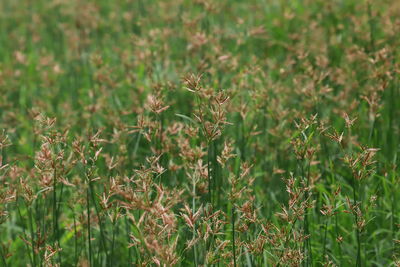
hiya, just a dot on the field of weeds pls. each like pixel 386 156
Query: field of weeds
pixel 199 133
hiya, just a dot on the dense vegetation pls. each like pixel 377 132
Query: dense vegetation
pixel 199 133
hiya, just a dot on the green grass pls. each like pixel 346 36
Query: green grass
pixel 199 133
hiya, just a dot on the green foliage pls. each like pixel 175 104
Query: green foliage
pixel 205 133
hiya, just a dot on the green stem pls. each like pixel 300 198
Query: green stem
pixel 325 236
pixel 88 223
pixel 393 208
pixel 358 262
pixel 102 238
pixel 194 226
pixel 56 239
pixel 233 235
pixel 287 241
pixel 307 243
pixel 75 239
pixel 32 234
pixel 3 257
pixel 337 235
pixel 32 258
pixel 112 243
pixel 209 172
pixel 128 241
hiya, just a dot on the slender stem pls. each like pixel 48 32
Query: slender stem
pixel 33 261
pixel 128 239
pixel 112 243
pixel 75 239
pixel 393 209
pixel 358 262
pixel 209 172
pixel 55 205
pixel 233 236
pixel 307 243
pixel 308 230
pixel 88 223
pixel 287 241
pixel 337 234
pixel 3 257
pixel 102 238
pixel 194 226
pixel 59 202
pixel 43 219
pixel 325 236
pixel 32 234
pixel 55 214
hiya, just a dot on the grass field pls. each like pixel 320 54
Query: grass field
pixel 199 133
